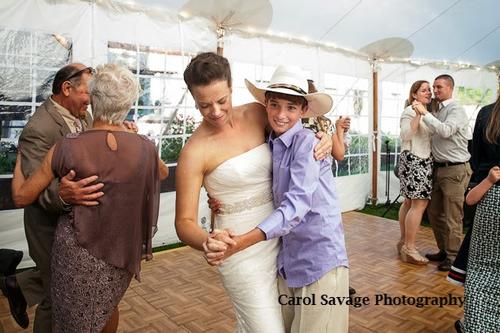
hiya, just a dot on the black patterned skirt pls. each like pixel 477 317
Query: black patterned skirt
pixel 415 176
pixel 482 285
pixel 84 290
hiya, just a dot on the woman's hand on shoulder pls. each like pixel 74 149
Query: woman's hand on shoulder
pixel 130 126
pixel 324 146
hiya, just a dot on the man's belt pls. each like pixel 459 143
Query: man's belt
pixel 447 164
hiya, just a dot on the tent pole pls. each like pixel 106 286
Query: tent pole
pixel 375 133
pixel 221 31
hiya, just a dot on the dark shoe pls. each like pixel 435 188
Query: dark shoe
pixel 459 326
pixel 17 303
pixel 445 265
pixel 440 256
pixel 352 291
pixel 9 259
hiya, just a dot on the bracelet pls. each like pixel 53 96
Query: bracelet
pixel 66 206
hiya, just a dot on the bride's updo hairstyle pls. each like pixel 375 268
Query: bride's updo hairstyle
pixel 206 68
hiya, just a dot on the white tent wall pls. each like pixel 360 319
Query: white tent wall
pixel 91 26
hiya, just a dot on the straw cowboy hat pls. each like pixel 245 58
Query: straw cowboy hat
pixel 290 80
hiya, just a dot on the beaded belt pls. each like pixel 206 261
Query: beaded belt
pixel 247 204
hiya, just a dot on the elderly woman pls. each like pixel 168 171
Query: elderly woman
pixel 98 249
pixel 415 171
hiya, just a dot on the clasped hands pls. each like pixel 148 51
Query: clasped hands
pixel 220 245
pixel 419 108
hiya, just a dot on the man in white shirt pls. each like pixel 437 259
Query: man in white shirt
pixel 452 171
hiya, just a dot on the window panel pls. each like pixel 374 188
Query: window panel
pixel 153 91
pixel 390 125
pixel 15 42
pixel 28 62
pixel 15 85
pixel 123 57
pixel 44 80
pixel 176 64
pixel 52 50
pixel 165 112
pixel 343 167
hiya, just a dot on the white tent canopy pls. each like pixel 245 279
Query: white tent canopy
pixel 156 38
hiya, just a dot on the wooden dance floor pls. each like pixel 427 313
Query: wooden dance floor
pixel 181 293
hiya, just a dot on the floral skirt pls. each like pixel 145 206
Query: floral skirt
pixel 415 176
pixel 84 289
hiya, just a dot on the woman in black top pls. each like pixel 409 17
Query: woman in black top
pixel 482 284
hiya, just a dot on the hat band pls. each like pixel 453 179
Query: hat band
pixel 288 86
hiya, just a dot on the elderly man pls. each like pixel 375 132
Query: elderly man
pixel 63 113
pixel 452 171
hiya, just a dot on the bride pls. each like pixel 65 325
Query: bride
pixel 227 154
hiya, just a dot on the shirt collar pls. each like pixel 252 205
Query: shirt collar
pixel 64 112
pixel 287 137
pixel 446 102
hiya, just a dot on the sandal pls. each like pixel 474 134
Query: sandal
pixel 399 246
pixel 412 256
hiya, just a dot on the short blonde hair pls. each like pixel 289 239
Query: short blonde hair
pixel 113 90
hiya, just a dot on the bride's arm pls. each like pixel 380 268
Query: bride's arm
pixel 188 181
pixel 25 192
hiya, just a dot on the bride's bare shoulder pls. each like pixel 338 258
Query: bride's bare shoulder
pixel 253 110
pixel 195 145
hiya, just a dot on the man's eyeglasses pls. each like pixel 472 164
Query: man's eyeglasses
pixel 88 70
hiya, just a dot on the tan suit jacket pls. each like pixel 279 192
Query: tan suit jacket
pixel 42 131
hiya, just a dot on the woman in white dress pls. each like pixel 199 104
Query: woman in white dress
pixel 227 154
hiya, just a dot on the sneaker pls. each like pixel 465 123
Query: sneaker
pixel 459 326
pixel 445 265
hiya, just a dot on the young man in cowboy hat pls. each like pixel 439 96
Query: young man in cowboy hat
pixel 312 263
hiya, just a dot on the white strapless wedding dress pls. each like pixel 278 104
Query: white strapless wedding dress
pixel 243 186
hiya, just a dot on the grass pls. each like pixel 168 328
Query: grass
pixel 168 247
pixel 392 214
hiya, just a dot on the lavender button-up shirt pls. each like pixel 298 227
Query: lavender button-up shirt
pixel 307 215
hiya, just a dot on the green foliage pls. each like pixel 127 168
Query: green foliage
pixel 378 210
pixel 359 144
pixel 168 247
pixel 170 149
pixel 474 96
pixel 393 141
pixel 8 153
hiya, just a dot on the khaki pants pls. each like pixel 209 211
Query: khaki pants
pixel 446 209
pixel 39 227
pixel 317 318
